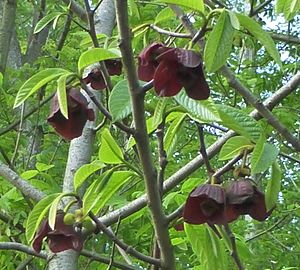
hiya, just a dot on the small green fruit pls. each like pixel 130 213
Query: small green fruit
pixel 69 219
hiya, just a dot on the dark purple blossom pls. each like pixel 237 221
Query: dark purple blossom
pixel 78 114
pixel 245 198
pixel 95 78
pixel 63 237
pixel 205 204
pixel 171 69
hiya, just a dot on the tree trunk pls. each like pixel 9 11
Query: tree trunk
pixel 6 31
pixel 81 148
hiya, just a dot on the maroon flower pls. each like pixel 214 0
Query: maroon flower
pixel 244 198
pixel 63 237
pixel 78 114
pixel 206 203
pixel 172 69
pixel 95 78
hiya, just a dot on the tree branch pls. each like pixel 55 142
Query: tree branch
pixel 194 164
pixel 22 185
pixel 260 107
pixel 142 140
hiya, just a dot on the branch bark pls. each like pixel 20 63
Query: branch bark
pixel 6 31
pixel 22 185
pixel 142 140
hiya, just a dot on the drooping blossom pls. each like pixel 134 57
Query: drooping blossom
pixel 205 204
pixel 78 114
pixel 95 78
pixel 245 198
pixel 62 238
pixel 173 69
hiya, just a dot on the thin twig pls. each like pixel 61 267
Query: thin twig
pixel 209 169
pixel 26 115
pixel 234 253
pixel 113 249
pixel 103 110
pixel 169 33
pixel 162 159
pixel 267 230
pixel 128 249
pixel 18 135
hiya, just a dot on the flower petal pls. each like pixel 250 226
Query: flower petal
pixel 147 62
pixel 114 66
pixel 165 79
pixel 41 234
pixel 239 192
pixel 188 58
pixel 193 80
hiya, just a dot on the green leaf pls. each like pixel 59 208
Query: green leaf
pixel 62 95
pixel 203 111
pixel 197 5
pixel 99 193
pixel 41 167
pixel 119 103
pixel 96 55
pixel 37 214
pixel 87 41
pixel 45 21
pixel 263 155
pixel 1 80
pixel 240 122
pixel 54 207
pixel 209 249
pixel 171 134
pixel 262 36
pixel 159 111
pixel 234 146
pixel 29 174
pixel 85 171
pixel 109 151
pixel 234 20
pixel 289 8
pixel 35 82
pixel 219 43
pixel 273 186
pixel 163 15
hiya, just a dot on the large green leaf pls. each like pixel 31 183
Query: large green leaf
pixel 170 138
pixel 207 246
pixel 37 214
pixel 263 155
pixel 99 193
pixel 62 94
pixel 202 111
pixel 159 111
pixel 234 146
pixel 109 151
pixel 164 14
pixel 273 186
pixel 289 8
pixel 262 36
pixel 85 171
pixel 45 21
pixel 96 55
pixel 197 5
pixel 35 82
pixel 240 122
pixel 119 103
pixel 219 43
pixel 54 207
